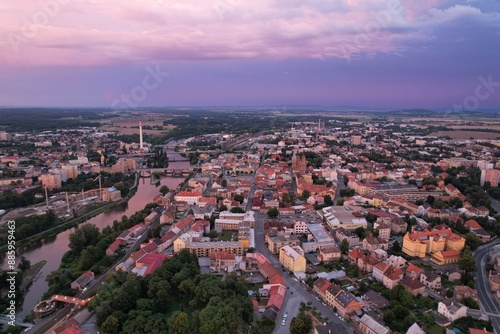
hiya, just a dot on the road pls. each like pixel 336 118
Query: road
pixel 45 324
pixel 488 303
pixel 340 186
pixel 296 292
pixel 494 204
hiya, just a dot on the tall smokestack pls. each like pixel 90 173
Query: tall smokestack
pixel 140 136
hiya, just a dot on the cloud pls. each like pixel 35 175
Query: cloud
pixel 100 32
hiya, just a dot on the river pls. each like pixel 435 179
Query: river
pixel 52 249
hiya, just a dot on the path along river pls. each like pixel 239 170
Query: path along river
pixel 52 249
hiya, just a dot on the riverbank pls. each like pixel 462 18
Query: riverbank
pixel 76 221
pixel 31 275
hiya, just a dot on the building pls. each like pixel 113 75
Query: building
pixel 222 261
pixel 205 249
pixel 384 230
pixel 464 291
pixel 328 254
pixel 292 258
pixel 83 280
pixel 342 216
pixel 342 234
pixel 347 304
pixel 191 198
pixel 413 286
pixel 415 329
pixel 429 242
pixel 445 257
pixel 375 299
pixel 111 195
pixel 277 242
pixel 300 227
pixel 368 325
pixel 452 310
pixel 356 140
pixel 431 280
pixel 490 175
pixel 391 277
pixel 51 181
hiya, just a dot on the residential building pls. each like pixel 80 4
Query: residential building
pixel 368 325
pixel 347 304
pixel 191 198
pixel 415 329
pixel 464 291
pixel 384 230
pixel 328 254
pixel 391 277
pixel 431 280
pixel 292 258
pixel 413 286
pixel 205 249
pixel 320 286
pixel 276 243
pixel 452 310
pixel 350 236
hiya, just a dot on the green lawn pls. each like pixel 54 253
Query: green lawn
pixel 226 235
pixel 435 329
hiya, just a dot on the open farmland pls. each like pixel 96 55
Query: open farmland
pixel 463 134
pixel 131 125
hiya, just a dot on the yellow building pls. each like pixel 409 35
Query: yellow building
pixel 429 242
pixel 292 258
pixel 446 257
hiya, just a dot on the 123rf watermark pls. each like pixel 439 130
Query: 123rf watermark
pixel 11 273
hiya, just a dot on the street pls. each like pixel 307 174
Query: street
pixel 291 303
pixel 488 303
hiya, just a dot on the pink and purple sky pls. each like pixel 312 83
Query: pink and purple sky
pixel 363 53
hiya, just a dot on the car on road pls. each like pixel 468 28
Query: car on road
pixel 286 315
pixel 283 322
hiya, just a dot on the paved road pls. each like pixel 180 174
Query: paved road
pixel 296 292
pixel 340 186
pixel 488 303
pixel 494 204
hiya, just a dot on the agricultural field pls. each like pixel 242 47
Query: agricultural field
pixel 130 126
pixel 464 134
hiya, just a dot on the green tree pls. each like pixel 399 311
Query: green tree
pixel 301 324
pixel 273 212
pixel 223 183
pixel 164 190
pixel 396 247
pixel 472 241
pixel 344 246
pixel 239 198
pixel 340 201
pixel 467 262
pixel 328 200
pixel 87 234
pixel 306 194
pixel 111 325
pixel 361 232
pixel 237 209
pixel 178 323
pixel 24 264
